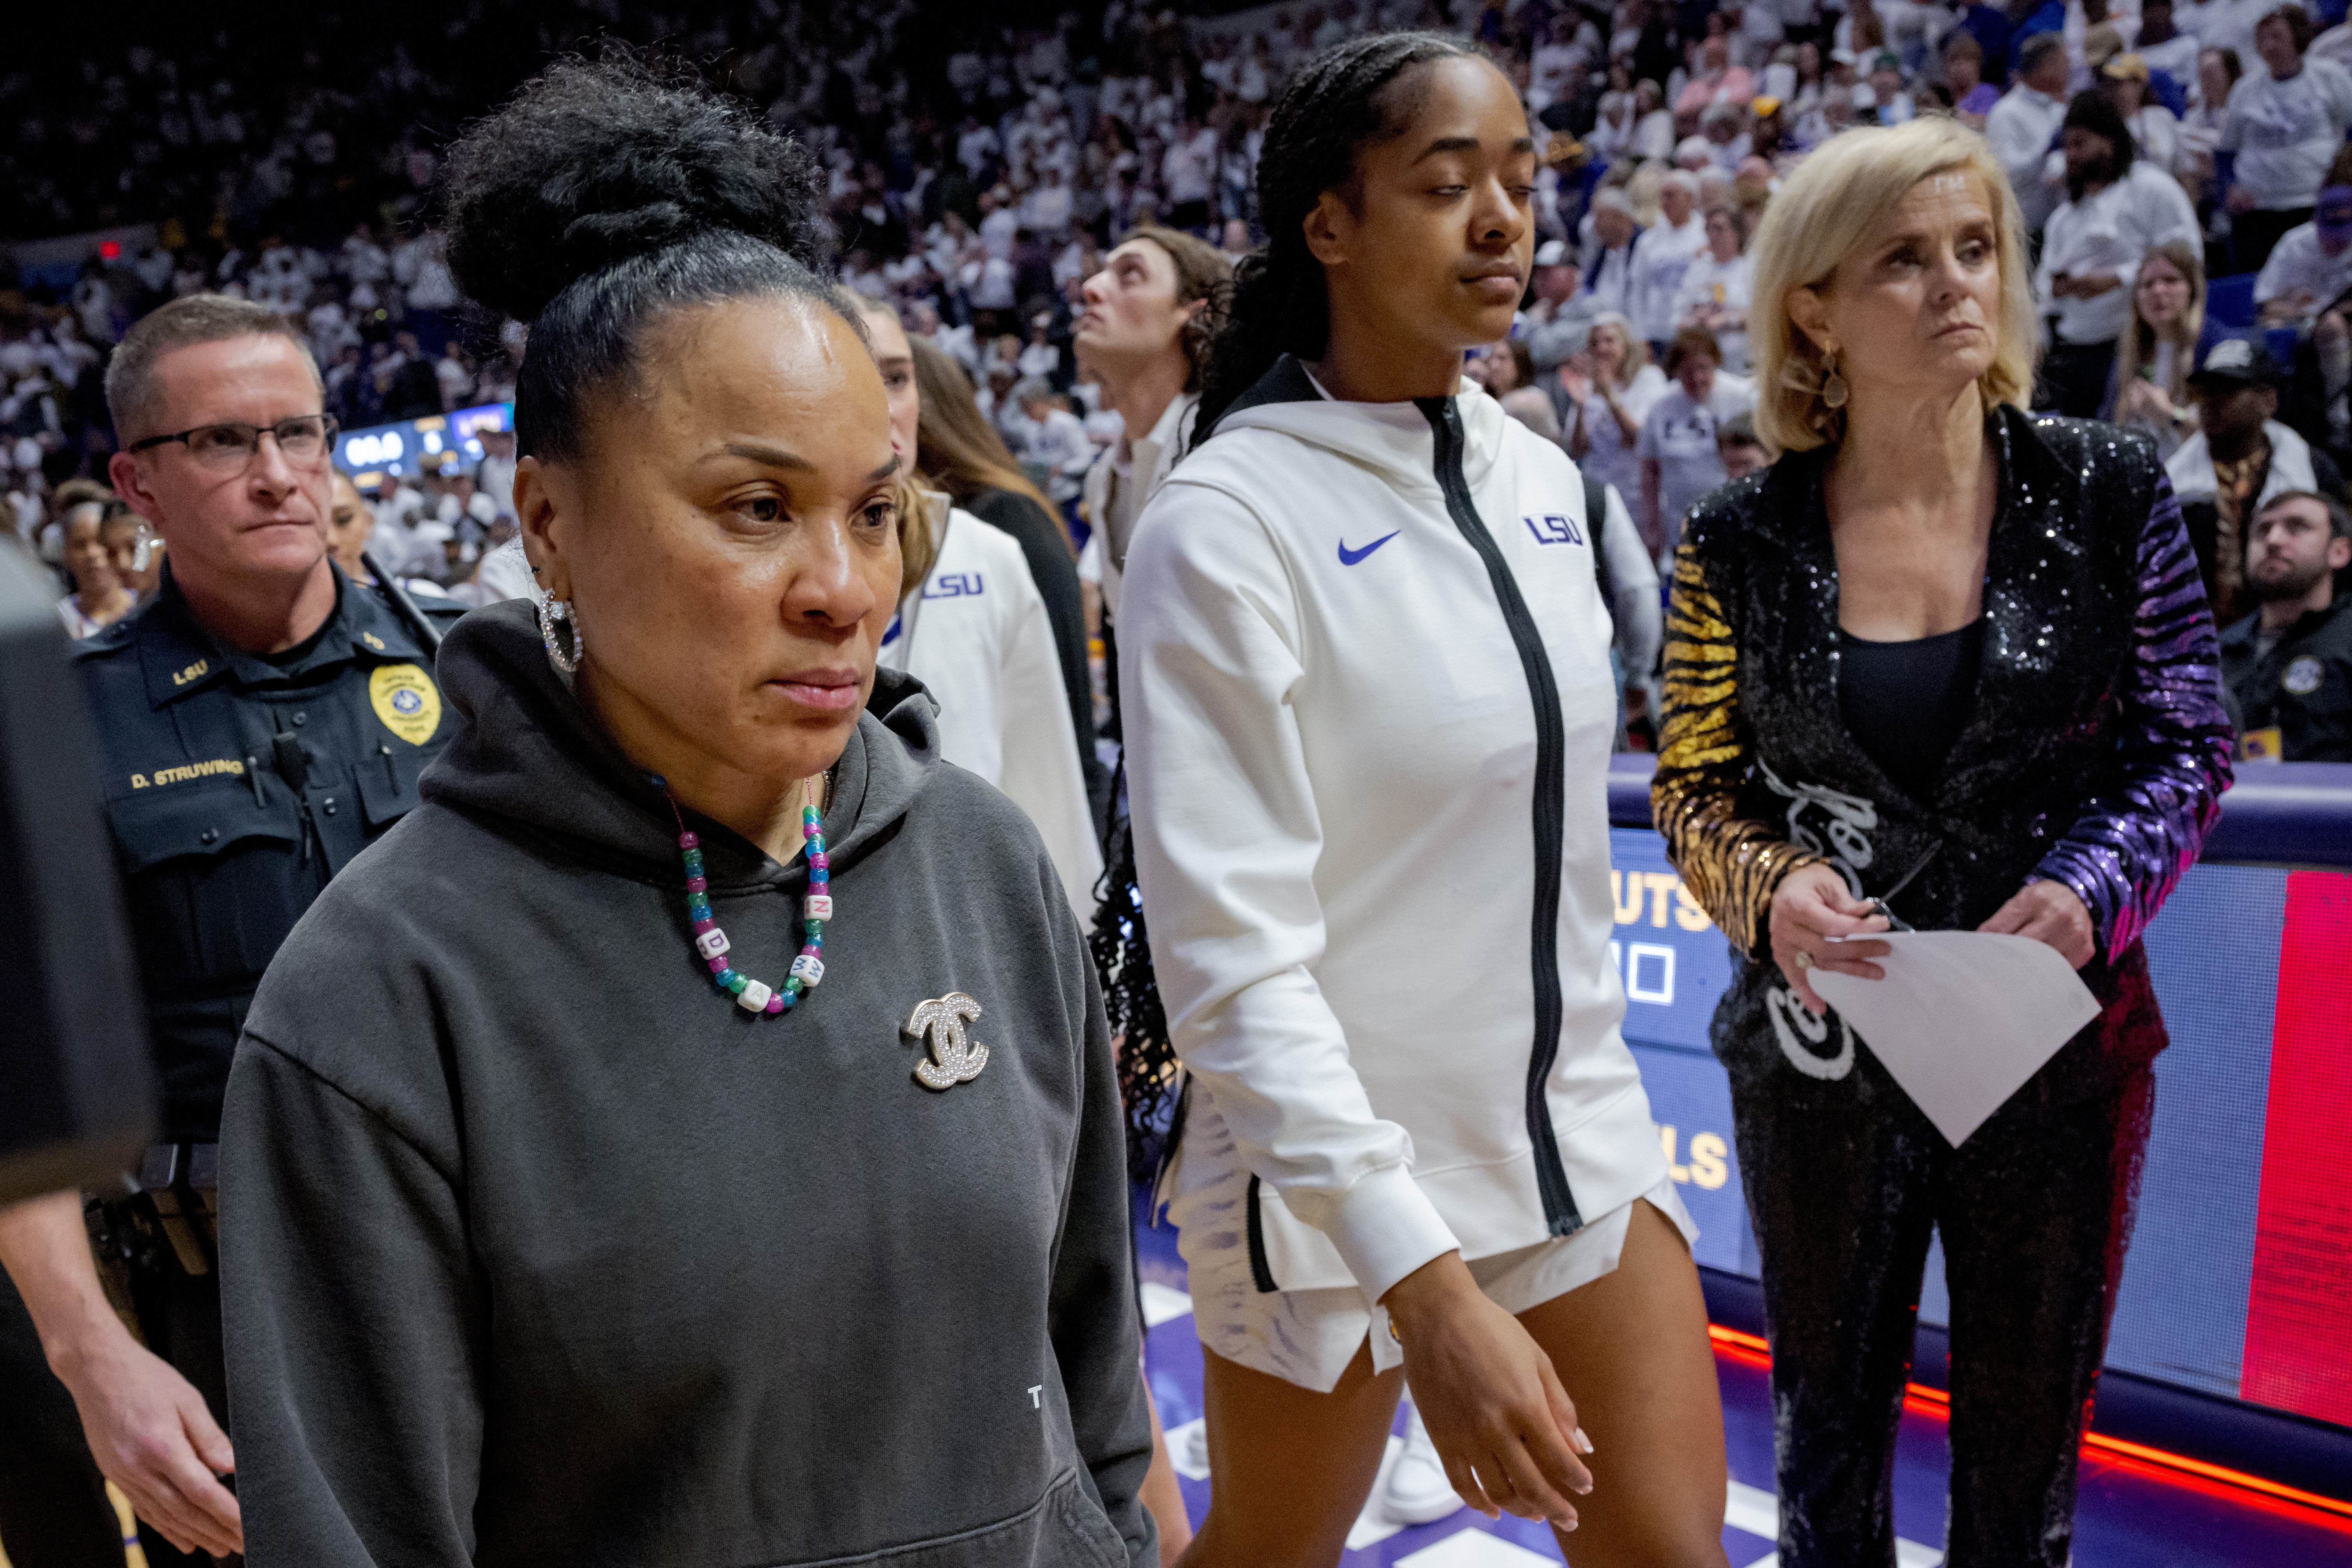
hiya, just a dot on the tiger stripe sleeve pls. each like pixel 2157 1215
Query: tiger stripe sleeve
pixel 1732 864
pixel 2127 850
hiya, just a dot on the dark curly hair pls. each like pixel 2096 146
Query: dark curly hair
pixel 607 191
pixel 1348 98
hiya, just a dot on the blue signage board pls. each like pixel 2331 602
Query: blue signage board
pixel 377 453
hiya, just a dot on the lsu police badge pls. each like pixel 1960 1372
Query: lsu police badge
pixel 2302 675
pixel 954 1057
pixel 404 697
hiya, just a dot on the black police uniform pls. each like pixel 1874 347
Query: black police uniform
pixel 2302 688
pixel 236 784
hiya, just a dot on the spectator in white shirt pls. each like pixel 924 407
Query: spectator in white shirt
pixel 1189 174
pixel 1680 460
pixel 2230 25
pixel 1609 276
pixel 1057 440
pixel 1757 28
pixel 2155 133
pixel 2091 252
pixel 364 260
pixel 2285 122
pixel 1719 287
pixel 1609 389
pixel 1664 253
pixel 2025 122
pixel 998 223
pixel 1039 359
pixel 1653 124
pixel 2310 269
pixel 1724 127
pixel 2164 47
pixel 1047 208
pixel 1558 320
pixel 2200 129
pixel 1612 137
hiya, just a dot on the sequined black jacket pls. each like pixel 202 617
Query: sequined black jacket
pixel 2095 754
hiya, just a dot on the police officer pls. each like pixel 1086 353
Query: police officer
pixel 261 721
pixel 2289 664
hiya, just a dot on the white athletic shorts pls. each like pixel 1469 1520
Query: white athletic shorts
pixel 1309 1337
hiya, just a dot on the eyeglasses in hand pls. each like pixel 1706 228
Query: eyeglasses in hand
pixel 305 439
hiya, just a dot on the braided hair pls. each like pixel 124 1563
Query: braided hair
pixel 1340 103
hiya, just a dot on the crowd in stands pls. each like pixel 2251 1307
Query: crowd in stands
pixel 2182 172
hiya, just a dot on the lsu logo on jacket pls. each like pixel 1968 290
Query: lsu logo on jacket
pixel 1552 528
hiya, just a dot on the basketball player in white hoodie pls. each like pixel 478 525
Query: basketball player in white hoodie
pixel 1367 704
pixel 974 632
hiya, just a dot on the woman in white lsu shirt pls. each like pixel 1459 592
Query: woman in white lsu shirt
pixel 1369 707
pixel 973 631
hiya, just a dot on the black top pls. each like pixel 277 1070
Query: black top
pixel 234 785
pixel 1907 702
pixel 2302 683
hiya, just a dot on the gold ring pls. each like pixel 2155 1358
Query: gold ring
pixel 1804 959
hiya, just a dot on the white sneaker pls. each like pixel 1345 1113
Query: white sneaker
pixel 1187 1448
pixel 1418 1491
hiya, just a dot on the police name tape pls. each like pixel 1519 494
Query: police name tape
pixel 182 774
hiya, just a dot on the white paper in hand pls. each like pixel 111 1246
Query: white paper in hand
pixel 1963 1017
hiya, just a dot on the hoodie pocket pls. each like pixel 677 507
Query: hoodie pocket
pixel 1064 1529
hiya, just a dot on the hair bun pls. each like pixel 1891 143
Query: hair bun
pixel 597 160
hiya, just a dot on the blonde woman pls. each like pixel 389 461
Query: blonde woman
pixel 1612 387
pixel 2159 348
pixel 1954 660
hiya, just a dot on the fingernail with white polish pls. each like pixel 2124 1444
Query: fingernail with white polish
pixel 1584 1443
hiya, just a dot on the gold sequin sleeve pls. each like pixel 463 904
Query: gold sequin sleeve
pixel 1731 864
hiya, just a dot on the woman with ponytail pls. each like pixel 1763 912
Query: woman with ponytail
pixel 1365 674
pixel 568 1224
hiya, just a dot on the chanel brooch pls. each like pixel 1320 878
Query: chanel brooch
pixel 954 1057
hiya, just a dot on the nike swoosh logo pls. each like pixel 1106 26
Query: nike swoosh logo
pixel 1349 557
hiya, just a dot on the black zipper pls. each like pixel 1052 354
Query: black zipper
pixel 1261 1270
pixel 1560 1216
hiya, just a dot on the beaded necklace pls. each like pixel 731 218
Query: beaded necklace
pixel 711 942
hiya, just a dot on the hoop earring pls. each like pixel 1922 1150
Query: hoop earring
pixel 551 611
pixel 1833 388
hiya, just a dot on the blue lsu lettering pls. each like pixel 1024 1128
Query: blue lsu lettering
pixel 953 585
pixel 1552 528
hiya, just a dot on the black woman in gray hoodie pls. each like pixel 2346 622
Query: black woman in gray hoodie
pixel 691 1136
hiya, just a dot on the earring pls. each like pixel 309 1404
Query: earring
pixel 551 611
pixel 1833 390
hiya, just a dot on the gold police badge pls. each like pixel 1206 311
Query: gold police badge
pixel 404 697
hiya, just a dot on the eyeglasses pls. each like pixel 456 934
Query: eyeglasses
pixel 306 439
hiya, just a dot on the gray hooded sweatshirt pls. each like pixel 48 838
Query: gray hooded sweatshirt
pixel 536 1248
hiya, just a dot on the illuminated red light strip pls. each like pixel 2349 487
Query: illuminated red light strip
pixel 1927 1401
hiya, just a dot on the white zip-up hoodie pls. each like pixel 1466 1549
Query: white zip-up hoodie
pixel 975 634
pixel 1365 671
